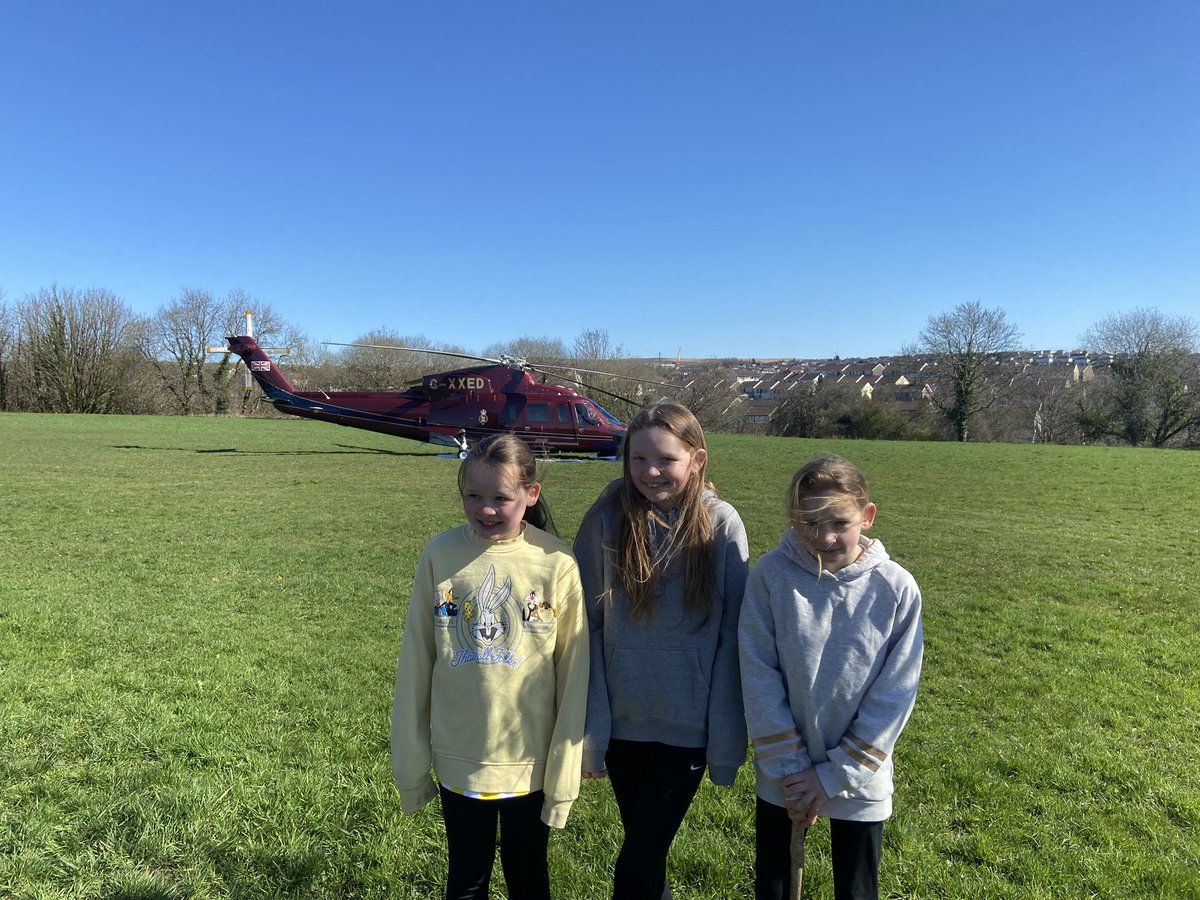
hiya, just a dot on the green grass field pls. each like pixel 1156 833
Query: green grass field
pixel 199 622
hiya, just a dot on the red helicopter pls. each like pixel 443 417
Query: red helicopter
pixel 453 409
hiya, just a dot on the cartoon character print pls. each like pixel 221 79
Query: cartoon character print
pixel 535 606
pixel 490 628
pixel 488 624
pixel 445 607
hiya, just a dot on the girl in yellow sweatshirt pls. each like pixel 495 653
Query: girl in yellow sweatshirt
pixel 491 687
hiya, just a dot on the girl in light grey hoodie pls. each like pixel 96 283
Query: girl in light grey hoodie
pixel 831 645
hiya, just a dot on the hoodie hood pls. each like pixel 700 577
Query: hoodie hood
pixel 873 556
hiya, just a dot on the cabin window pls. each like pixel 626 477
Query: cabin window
pixel 564 413
pixel 537 412
pixel 512 411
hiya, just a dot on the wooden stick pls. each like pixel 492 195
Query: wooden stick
pixel 797 861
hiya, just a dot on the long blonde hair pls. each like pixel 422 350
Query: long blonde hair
pixel 638 567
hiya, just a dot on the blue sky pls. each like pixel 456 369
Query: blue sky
pixel 698 178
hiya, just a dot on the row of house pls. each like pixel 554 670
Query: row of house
pixel 901 382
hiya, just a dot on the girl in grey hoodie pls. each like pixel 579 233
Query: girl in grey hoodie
pixel 831 646
pixel 663 563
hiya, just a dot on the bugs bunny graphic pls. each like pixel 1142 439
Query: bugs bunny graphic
pixel 489 628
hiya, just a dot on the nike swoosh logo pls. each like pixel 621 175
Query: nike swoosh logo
pixel 697 768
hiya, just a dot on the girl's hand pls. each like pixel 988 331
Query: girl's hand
pixel 804 821
pixel 603 773
pixel 805 796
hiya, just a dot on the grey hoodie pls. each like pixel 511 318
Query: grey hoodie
pixel 672 678
pixel 830 665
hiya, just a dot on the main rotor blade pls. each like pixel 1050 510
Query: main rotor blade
pixel 592 389
pixel 605 374
pixel 418 350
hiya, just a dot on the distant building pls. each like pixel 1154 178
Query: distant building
pixel 904 383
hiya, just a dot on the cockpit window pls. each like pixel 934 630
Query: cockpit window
pixel 609 418
pixel 586 415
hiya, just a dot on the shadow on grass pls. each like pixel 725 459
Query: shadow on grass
pixel 345 450
pixel 352 450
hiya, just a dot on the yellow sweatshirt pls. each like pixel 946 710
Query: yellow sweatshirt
pixel 491 688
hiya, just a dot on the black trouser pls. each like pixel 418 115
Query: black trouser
pixel 471 840
pixel 855 848
pixel 654 785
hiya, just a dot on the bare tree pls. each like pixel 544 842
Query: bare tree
pixel 1149 396
pixel 532 349
pixel 269 326
pixel 72 351
pixel 8 340
pixel 1043 408
pixel 709 391
pixel 595 345
pixel 969 375
pixel 378 360
pixel 311 365
pixel 177 339
pixel 603 371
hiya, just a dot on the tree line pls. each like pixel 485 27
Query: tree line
pixel 64 350
pixel 1141 386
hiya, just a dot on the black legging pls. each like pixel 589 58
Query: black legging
pixel 471 841
pixel 654 785
pixel 854 847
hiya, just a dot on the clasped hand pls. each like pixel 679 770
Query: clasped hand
pixel 804 796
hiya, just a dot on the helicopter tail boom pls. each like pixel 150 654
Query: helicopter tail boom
pixel 265 372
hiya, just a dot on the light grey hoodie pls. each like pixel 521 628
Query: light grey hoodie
pixel 830 664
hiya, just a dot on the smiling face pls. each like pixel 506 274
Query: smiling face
pixel 829 525
pixel 495 501
pixel 660 465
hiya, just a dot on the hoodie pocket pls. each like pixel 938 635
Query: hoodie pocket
pixel 665 685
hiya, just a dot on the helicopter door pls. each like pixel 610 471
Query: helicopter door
pixel 537 417
pixel 525 417
pixel 545 424
pixel 565 429
pixel 566 422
